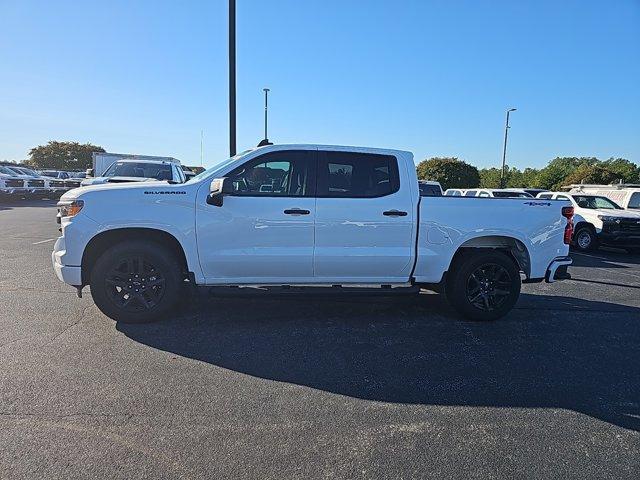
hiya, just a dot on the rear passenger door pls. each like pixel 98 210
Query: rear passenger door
pixel 364 219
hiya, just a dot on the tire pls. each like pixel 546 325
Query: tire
pixel 483 285
pixel 585 239
pixel 136 282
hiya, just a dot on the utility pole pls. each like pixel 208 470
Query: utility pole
pixel 266 110
pixel 504 149
pixel 232 77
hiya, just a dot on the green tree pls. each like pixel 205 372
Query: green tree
pixel 449 171
pixel 490 177
pixel 554 174
pixel 63 155
pixel 599 173
pixel 624 170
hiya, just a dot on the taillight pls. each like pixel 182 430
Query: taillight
pixel 567 212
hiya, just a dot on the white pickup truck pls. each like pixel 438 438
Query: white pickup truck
pixel 307 216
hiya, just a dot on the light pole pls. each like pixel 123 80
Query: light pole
pixel 504 149
pixel 232 78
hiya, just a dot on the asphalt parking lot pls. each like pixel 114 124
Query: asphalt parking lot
pixel 316 388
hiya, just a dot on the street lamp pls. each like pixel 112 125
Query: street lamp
pixel 232 77
pixel 504 150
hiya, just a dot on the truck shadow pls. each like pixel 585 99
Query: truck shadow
pixel 550 352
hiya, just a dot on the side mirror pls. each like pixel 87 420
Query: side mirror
pixel 219 187
pixel 89 172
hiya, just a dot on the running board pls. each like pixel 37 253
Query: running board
pixel 329 290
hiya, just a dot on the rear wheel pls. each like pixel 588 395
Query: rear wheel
pixel 483 285
pixel 136 282
pixel 585 239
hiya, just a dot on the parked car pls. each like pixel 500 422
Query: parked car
pixel 600 221
pixel 429 188
pixel 454 192
pixel 11 185
pixel 625 195
pixel 139 171
pixel 340 218
pixel 35 185
pixel 496 193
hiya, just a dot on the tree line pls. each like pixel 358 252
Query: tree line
pixel 454 173
pixel 451 172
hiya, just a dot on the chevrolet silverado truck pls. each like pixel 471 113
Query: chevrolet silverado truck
pixel 299 217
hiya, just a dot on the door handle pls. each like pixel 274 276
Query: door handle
pixel 394 213
pixel 296 211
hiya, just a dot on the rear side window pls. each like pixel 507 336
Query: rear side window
pixel 545 195
pixel 634 201
pixel 356 175
pixel 470 193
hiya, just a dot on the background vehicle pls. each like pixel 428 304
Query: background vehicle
pixel 53 187
pixel 496 193
pixel 430 188
pixel 10 184
pixel 35 185
pixel 625 195
pixel 58 174
pixel 531 191
pixel 454 192
pixel 102 161
pixel 139 171
pixel 340 218
pixel 600 221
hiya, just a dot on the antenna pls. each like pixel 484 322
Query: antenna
pixel 201 143
pixel 265 140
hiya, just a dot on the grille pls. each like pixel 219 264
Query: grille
pixel 631 226
pixel 72 183
pixel 14 183
pixel 56 183
pixel 36 183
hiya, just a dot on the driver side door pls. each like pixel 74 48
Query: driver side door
pixel 264 230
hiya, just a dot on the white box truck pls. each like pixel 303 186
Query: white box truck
pixel 103 160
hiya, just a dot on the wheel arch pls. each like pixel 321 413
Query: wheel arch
pixel 511 246
pixel 107 238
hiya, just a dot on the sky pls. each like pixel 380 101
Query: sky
pixel 432 77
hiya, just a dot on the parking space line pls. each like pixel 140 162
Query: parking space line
pixel 43 241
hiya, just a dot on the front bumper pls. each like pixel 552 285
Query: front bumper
pixel 557 270
pixel 619 239
pixel 66 273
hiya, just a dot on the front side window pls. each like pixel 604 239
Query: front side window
pixel 275 174
pixel 593 202
pixel 470 193
pixel 545 195
pixel 357 175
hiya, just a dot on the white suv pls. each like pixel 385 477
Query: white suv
pixel 600 221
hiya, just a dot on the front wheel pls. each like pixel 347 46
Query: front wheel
pixel 483 285
pixel 585 239
pixel 136 282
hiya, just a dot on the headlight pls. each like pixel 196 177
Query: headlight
pixel 70 208
pixel 607 218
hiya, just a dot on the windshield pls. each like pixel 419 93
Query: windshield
pixel 593 202
pixel 160 171
pixel 511 195
pixel 28 171
pixel 7 171
pixel 218 166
